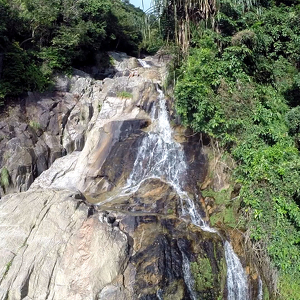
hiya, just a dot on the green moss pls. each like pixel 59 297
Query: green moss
pixel 35 125
pixel 170 211
pixel 289 287
pixel 8 265
pixel 209 284
pixel 227 211
pixel 221 197
pixel 124 94
pixel 4 180
pixel 203 275
pixel 266 295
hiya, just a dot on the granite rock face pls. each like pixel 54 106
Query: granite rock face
pixel 53 248
pixel 43 127
pixel 70 232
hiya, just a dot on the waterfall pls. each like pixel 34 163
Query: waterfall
pixel 143 63
pixel 159 156
pixel 236 278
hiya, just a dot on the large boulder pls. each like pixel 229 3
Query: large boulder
pixel 54 247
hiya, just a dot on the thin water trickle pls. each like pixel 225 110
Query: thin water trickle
pixel 260 289
pixel 187 274
pixel 159 156
pixel 159 294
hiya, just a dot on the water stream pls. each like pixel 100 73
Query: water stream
pixel 159 156
pixel 260 289
pixel 236 277
pixel 188 277
pixel 143 63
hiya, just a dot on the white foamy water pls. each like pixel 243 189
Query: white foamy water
pixel 159 156
pixel 143 63
pixel 237 282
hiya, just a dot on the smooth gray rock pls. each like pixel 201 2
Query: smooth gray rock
pixel 50 249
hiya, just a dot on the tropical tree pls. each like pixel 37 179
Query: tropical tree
pixel 180 18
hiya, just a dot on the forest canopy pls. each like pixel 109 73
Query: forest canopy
pixel 40 37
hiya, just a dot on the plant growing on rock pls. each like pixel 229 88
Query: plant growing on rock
pixel 4 181
pixel 35 125
pixel 124 95
pixel 207 283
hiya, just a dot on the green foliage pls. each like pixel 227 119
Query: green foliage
pixel 208 281
pixel 4 180
pixel 241 86
pixel 209 94
pixel 20 72
pixel 152 40
pixel 203 275
pixel 41 37
pixel 289 287
pixel 35 125
pixel 293 120
pixel 124 94
pixel 227 212
pixel 8 265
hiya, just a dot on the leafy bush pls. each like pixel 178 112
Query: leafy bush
pixel 241 87
pixel 41 37
pixel 203 274
pixel 293 120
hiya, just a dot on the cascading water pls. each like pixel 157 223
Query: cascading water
pixel 143 63
pixel 159 156
pixel 236 277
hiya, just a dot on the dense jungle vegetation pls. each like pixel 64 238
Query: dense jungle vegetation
pixel 41 37
pixel 237 80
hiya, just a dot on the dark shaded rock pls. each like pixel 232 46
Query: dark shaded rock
pixel 158 256
pixel 120 158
